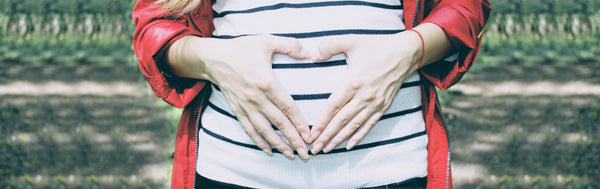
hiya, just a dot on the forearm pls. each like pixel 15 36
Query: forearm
pixel 184 60
pixel 437 45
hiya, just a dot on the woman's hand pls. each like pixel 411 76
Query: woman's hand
pixel 377 66
pixel 241 67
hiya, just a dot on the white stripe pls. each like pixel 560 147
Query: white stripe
pixel 311 81
pixel 307 20
pixel 255 169
pixel 237 5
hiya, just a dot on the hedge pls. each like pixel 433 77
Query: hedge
pixel 66 31
pixel 100 31
pixel 539 31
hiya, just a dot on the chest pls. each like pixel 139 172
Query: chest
pixel 277 16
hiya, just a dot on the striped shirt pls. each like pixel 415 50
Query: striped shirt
pixel 393 151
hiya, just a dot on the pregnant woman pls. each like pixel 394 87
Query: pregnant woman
pixel 346 86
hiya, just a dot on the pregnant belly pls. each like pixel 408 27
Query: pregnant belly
pixel 310 83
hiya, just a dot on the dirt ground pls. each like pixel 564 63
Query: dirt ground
pixel 78 126
pixel 526 127
pixel 81 127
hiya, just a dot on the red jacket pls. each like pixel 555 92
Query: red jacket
pixel 462 21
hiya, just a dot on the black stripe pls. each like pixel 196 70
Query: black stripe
pixel 386 116
pixel 337 150
pixel 321 33
pixel 317 96
pixel 225 113
pixel 216 87
pixel 325 96
pixel 311 96
pixel 223 138
pixel 401 113
pixel 411 84
pixel 221 111
pixel 309 65
pixel 307 5
pixel 380 143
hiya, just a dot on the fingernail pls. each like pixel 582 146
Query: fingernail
pixel 316 148
pixel 288 154
pixel 315 135
pixel 329 148
pixel 268 152
pixel 350 145
pixel 306 54
pixel 303 153
pixel 306 137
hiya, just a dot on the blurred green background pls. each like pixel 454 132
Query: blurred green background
pixel 76 113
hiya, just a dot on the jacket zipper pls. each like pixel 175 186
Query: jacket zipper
pixel 417 8
pixel 439 110
pixel 437 105
pixel 203 97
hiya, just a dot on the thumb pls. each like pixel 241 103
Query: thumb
pixel 330 47
pixel 289 46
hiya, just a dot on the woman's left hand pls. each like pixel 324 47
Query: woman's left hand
pixel 377 67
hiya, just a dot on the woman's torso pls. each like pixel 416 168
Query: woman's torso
pixel 393 151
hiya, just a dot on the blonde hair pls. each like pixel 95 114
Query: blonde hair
pixel 179 6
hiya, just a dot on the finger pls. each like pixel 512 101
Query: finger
pixel 288 130
pixel 348 129
pixel 336 101
pixel 347 113
pixel 362 131
pixel 253 134
pixel 242 117
pixel 263 128
pixel 289 46
pixel 284 102
pixel 328 48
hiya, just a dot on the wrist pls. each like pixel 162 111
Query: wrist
pixel 422 49
pixel 410 46
pixel 436 43
pixel 185 57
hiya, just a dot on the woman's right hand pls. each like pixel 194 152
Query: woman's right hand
pixel 241 67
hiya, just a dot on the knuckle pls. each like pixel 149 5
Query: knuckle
pixel 336 107
pixel 252 99
pixel 246 94
pixel 261 130
pixel 378 101
pixel 344 119
pixel 370 94
pixel 279 123
pixel 248 131
pixel 264 85
pixel 355 125
pixel 356 84
pixel 287 109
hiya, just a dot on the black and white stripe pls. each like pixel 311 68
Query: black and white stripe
pixel 399 131
pixel 306 5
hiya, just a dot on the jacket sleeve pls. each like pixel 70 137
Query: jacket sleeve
pixel 155 31
pixel 462 21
